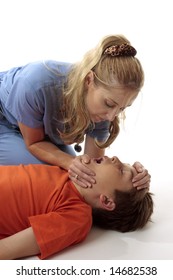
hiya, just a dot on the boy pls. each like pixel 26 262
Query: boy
pixel 43 212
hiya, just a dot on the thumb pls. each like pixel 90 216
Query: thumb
pixel 86 159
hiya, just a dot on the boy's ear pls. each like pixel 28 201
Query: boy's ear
pixel 107 203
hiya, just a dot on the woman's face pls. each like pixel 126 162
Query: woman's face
pixel 103 104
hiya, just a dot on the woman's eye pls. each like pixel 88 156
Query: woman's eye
pixel 110 105
pixel 122 109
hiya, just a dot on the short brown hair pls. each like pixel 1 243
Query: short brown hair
pixel 133 210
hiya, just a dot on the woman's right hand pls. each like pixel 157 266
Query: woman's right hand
pixel 80 173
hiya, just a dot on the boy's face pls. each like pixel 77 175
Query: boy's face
pixel 112 174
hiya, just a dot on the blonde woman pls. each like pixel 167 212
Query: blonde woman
pixel 47 106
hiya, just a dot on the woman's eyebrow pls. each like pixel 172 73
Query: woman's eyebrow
pixel 110 99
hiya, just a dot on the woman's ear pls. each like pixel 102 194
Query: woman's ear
pixel 89 78
pixel 107 203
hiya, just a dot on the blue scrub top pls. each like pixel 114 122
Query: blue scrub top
pixel 32 94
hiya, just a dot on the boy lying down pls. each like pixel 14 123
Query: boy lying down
pixel 43 212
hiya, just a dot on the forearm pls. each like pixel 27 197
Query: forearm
pixel 51 154
pixel 45 151
pixel 21 244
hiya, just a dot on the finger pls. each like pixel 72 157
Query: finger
pixel 87 179
pixel 146 185
pixel 138 166
pixel 141 175
pixel 143 187
pixel 90 179
pixel 80 169
pixel 142 182
pixel 81 173
pixel 82 183
pixel 85 159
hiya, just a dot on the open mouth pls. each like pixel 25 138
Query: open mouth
pixel 98 160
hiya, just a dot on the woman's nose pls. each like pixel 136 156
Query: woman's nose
pixel 110 116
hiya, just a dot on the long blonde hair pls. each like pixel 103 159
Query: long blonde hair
pixel 127 71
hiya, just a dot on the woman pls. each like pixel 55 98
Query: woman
pixel 47 106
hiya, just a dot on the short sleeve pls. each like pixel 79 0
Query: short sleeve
pixel 56 231
pixel 25 103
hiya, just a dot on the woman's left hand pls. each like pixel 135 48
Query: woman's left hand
pixel 143 178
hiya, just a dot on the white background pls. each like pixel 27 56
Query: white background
pixel 63 30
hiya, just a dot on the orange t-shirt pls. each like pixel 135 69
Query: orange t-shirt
pixel 43 197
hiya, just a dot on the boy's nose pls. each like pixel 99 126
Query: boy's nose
pixel 116 159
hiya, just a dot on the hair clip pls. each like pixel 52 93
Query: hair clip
pixel 121 50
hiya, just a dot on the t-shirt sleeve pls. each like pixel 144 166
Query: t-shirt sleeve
pixel 56 231
pixel 26 104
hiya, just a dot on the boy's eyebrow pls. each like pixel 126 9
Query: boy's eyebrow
pixel 132 175
pixel 131 171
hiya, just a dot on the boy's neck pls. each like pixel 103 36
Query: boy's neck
pixel 86 193
pixel 81 190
